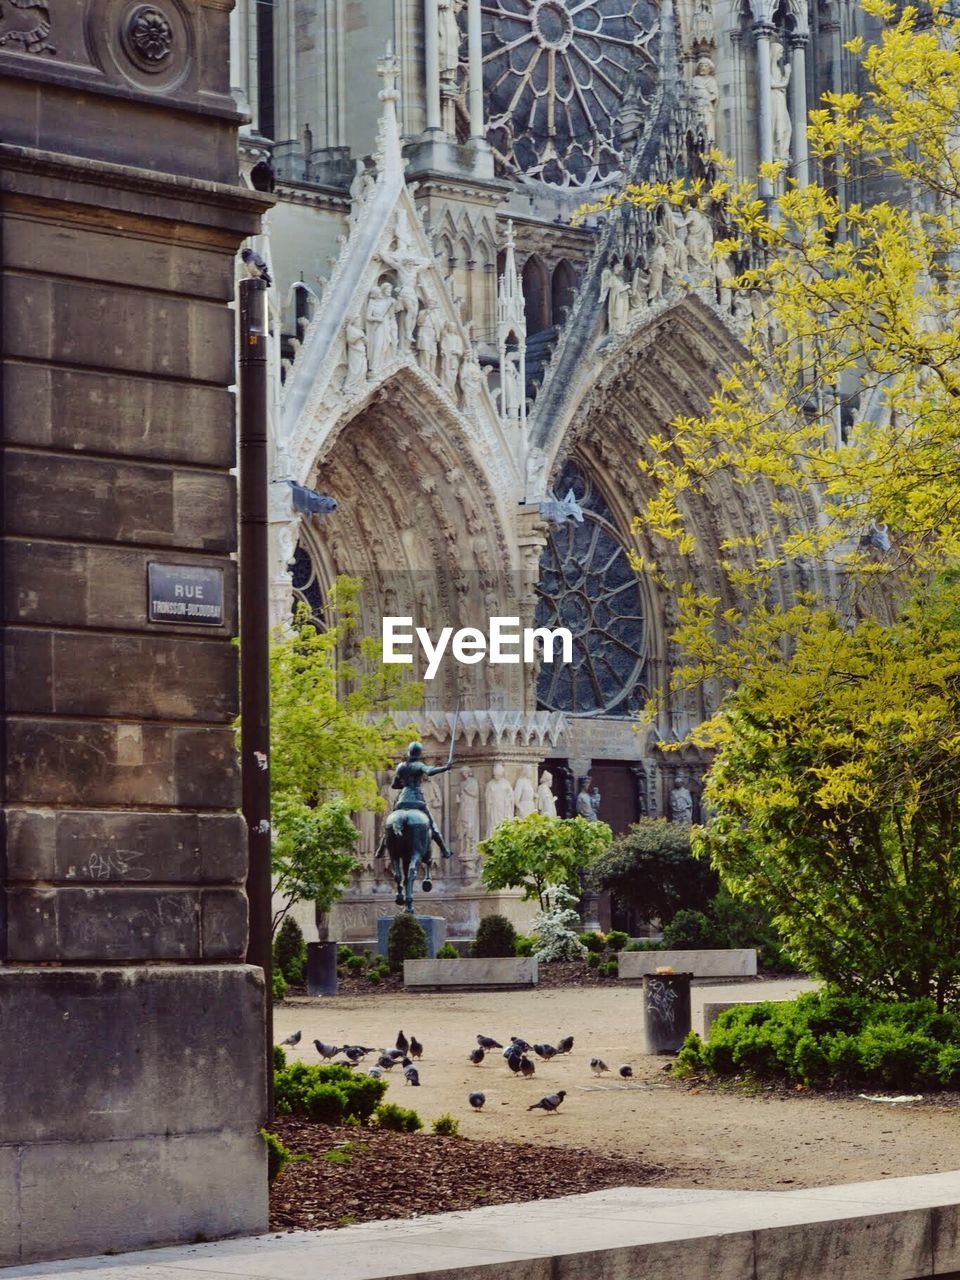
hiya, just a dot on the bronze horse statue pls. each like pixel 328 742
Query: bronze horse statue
pixel 409 828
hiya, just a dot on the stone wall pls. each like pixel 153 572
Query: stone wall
pixel 132 1059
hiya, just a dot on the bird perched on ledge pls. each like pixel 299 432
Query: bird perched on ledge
pixel 256 266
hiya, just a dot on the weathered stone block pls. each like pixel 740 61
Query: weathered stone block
pixel 223 924
pixel 733 963
pixel 79 924
pixel 157 676
pixel 499 973
pixel 78 409
pixel 57 584
pixel 120 502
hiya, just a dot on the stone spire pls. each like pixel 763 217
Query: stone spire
pixel 512 339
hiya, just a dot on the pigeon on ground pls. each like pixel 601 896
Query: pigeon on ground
pixel 411 1075
pixel 395 1054
pixel 256 266
pixel 513 1062
pixel 626 1072
pixel 487 1042
pixel 549 1103
pixel 294 1039
pixel 477 1100
pixel 545 1051
pixel 354 1052
pixel 598 1066
pixel 521 1044
pixel 386 1063
pixel 416 1048
pixel 565 1045
pixel 403 1044
pixel 527 1067
pixel 476 1056
pixel 326 1050
pixel 375 1072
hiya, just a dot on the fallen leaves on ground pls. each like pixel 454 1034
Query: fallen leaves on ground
pixel 379 1174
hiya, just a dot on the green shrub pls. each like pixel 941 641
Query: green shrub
pixel 616 940
pixel 594 942
pixel 294 1085
pixel 375 977
pixel 326 1103
pixel 612 969
pixel 278 1156
pixel 343 954
pixel 446 1125
pixel 448 952
pixel 496 936
pixel 279 985
pixel 690 931
pixel 400 1119
pixel 356 963
pixel 290 951
pixel 825 1039
pixel 405 941
pixel 593 960
pixel 279 1058
pixel 524 946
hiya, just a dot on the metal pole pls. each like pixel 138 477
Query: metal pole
pixel 255 640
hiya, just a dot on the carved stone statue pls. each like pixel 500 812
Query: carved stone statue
pixel 468 815
pixel 615 291
pixel 779 114
pixel 681 802
pixel 471 380
pixel 511 386
pixel 524 799
pixel 699 238
pixel 498 799
pixel 356 345
pixel 451 353
pixel 706 95
pixel 449 34
pixel 546 800
pixel 365 822
pixel 361 186
pixel 585 805
pixel 536 472
pixel 428 336
pixel 381 326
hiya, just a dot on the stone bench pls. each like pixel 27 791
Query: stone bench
pixel 501 974
pixel 634 965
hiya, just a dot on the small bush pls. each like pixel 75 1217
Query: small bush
pixel 279 985
pixel 343 954
pixel 326 1103
pixel 689 931
pixel 399 1119
pixel 278 1156
pixel 616 940
pixel 374 976
pixel 279 1058
pixel 294 1085
pixel 594 942
pixel 593 960
pixel 405 941
pixel 612 969
pixel 448 952
pixel 290 951
pixel 524 946
pixel 446 1125
pixel 496 936
pixel 356 963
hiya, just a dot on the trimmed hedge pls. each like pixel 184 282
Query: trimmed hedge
pixel 496 937
pixel 331 1094
pixel 825 1039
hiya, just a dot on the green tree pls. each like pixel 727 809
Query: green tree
pixel 331 729
pixel 533 852
pixel 651 870
pixel 836 795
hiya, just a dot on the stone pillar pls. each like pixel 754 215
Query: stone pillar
pixel 798 107
pixel 431 42
pixel 133 1069
pixel 763 33
pixel 475 68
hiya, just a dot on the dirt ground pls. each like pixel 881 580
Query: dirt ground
pixel 707 1138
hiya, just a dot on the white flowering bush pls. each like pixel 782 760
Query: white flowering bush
pixel 557 929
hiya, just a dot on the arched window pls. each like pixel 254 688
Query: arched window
pixel 536 295
pixel 563 290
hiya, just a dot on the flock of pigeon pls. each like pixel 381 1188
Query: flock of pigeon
pixel 406 1050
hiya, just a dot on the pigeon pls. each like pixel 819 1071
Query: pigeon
pixel 395 1054
pixel 403 1044
pixel 521 1044
pixel 411 1075
pixel 294 1039
pixel 256 266
pixel 354 1052
pixel 545 1051
pixel 598 1066
pixel 486 1042
pixel 626 1072
pixel 416 1048
pixel 550 1102
pixel 386 1063
pixel 374 1072
pixel 527 1067
pixel 476 1056
pixel 326 1050
pixel 565 1045
pixel 513 1062
pixel 477 1100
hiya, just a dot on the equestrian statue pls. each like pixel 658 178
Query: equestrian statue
pixel 409 828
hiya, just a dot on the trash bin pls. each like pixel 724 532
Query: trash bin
pixel 322 968
pixel 666 1011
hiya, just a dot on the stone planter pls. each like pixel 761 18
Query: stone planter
pixel 500 974
pixel 701 964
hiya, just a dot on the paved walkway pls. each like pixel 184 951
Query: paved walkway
pixel 897 1229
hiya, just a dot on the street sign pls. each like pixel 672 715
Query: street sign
pixel 185 593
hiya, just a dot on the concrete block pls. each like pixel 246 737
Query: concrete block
pixel 732 963
pixel 435 927
pixel 895 1246
pixel 501 972
pixel 224 924
pixel 9 1206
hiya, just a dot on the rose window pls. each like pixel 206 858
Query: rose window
pixel 566 83
pixel 587 585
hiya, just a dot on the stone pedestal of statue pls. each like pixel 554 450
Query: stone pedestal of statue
pixel 435 927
